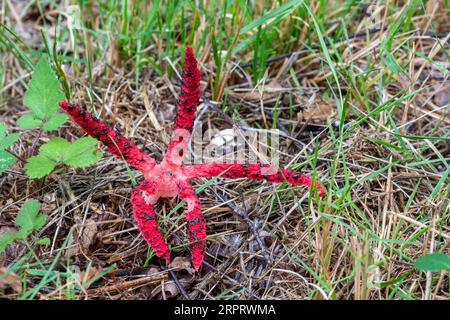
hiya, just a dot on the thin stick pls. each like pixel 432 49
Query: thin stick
pixel 132 284
pixel 237 283
pixel 179 285
pixel 33 146
pixel 242 213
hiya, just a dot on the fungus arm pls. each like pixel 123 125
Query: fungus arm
pixel 196 225
pixel 145 215
pixel 190 92
pixel 187 105
pixel 116 143
pixel 254 171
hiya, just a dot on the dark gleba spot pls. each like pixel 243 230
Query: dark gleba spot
pixel 193 221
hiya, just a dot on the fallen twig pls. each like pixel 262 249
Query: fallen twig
pixel 242 213
pixel 179 285
pixel 124 285
pixel 235 282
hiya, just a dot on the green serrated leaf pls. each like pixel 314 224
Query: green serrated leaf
pixel 84 160
pixel 7 141
pixel 43 242
pixel 433 262
pixel 28 121
pixel 29 218
pixel 2 130
pixel 55 149
pixel 6 238
pixel 44 91
pixel 82 153
pixel 39 166
pixel 6 160
pixel 55 122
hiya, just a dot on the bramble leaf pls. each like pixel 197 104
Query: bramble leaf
pixel 54 122
pixel 433 262
pixel 3 130
pixel 28 121
pixel 6 140
pixel 44 91
pixel 6 160
pixel 82 153
pixel 39 166
pixel 29 218
pixel 43 242
pixel 55 149
pixel 6 238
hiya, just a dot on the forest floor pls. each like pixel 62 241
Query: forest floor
pixel 359 93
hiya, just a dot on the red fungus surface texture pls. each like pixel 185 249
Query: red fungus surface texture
pixel 171 177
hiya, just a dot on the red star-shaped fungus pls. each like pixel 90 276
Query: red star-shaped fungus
pixel 171 177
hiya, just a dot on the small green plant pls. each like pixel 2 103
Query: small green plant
pixel 6 159
pixel 42 97
pixel 81 153
pixel 433 262
pixel 28 220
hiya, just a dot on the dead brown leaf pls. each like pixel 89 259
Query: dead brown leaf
pixel 182 264
pixel 317 111
pixel 167 290
pixel 89 234
pixel 442 97
pixel 10 281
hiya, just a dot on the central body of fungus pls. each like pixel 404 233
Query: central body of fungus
pixel 171 177
pixel 165 174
